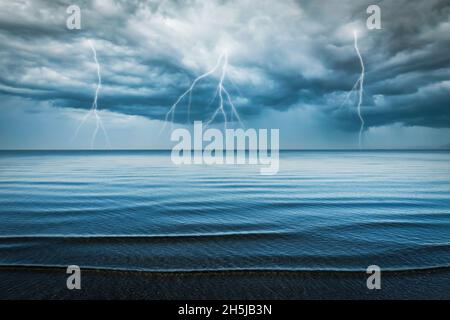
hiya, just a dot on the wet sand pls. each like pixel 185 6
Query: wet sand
pixel 35 283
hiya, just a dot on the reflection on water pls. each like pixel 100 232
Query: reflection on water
pixel 137 211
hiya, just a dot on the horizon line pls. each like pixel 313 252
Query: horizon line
pixel 306 149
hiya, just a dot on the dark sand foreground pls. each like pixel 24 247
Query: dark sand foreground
pixel 35 283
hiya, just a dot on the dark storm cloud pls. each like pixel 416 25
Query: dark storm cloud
pixel 283 54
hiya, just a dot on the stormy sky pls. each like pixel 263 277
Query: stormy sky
pixel 291 65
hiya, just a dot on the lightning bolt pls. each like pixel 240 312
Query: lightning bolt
pixel 221 92
pixel 93 110
pixel 361 87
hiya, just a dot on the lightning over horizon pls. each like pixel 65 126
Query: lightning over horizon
pixel 93 110
pixel 221 92
pixel 361 87
pixel 358 75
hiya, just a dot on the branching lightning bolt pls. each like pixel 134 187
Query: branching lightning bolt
pixel 361 87
pixel 221 92
pixel 93 110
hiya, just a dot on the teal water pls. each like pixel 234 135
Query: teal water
pixel 135 210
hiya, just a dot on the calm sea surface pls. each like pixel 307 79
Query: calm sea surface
pixel 331 211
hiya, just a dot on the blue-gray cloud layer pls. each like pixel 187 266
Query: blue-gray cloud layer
pixel 282 54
